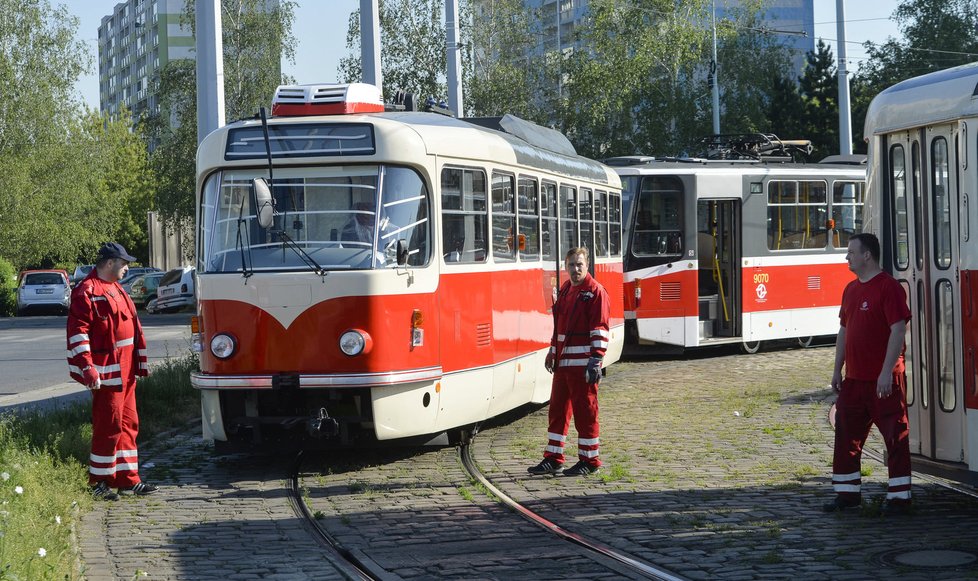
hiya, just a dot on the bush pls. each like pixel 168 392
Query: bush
pixel 8 288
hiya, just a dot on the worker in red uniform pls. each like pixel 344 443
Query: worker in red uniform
pixel 577 348
pixel 106 352
pixel 870 344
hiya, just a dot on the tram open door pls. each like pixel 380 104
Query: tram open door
pixel 718 249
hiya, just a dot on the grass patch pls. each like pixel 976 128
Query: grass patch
pixel 44 471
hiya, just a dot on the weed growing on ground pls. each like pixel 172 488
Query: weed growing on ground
pixel 44 471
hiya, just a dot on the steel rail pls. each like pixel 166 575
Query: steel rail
pixel 348 564
pixel 645 569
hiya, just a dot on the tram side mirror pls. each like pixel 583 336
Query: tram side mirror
pixel 264 205
pixel 402 253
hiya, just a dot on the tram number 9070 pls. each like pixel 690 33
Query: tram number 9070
pixel 760 277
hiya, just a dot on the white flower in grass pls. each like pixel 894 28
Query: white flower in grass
pixel 57 519
pixel 42 552
pixel 4 514
pixel 19 490
pixel 5 475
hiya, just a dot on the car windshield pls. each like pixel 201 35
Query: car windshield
pixel 348 217
pixel 39 278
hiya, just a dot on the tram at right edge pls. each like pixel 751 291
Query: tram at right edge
pixel 922 179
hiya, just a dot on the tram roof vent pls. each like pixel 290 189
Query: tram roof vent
pixel 321 99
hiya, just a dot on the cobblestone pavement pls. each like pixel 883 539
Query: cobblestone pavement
pixel 715 468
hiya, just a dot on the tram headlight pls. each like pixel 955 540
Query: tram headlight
pixel 223 346
pixel 355 342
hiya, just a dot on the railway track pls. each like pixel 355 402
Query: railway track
pixel 353 562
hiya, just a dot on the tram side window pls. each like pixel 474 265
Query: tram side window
pixel 548 209
pixel 568 218
pixel 404 216
pixel 600 223
pixel 942 202
pixel 503 218
pixel 898 188
pixel 464 215
pixel 529 219
pixel 586 198
pixel 614 222
pixel 797 213
pixel 847 211
pixel 659 218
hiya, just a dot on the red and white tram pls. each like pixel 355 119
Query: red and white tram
pixel 923 173
pixel 403 283
pixel 736 251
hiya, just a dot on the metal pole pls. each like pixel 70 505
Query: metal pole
pixel 716 77
pixel 210 67
pixel 454 57
pixel 845 118
pixel 370 43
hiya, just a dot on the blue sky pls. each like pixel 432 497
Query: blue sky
pixel 321 32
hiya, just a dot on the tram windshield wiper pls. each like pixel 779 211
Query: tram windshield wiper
pixel 287 241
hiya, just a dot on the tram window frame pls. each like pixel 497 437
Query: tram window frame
pixel 614 223
pixel 840 235
pixel 585 219
pixel 528 218
pixel 901 220
pixel 918 204
pixel 473 220
pixel 602 226
pixel 941 196
pixel 567 212
pixel 800 238
pixel 548 221
pixel 659 219
pixel 946 366
pixel 503 216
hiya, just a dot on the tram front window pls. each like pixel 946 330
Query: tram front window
pixel 342 218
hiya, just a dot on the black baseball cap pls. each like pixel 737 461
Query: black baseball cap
pixel 114 250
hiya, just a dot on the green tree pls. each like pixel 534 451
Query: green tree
pixel 412 48
pixel 639 86
pixel 819 88
pixel 43 193
pixel 257 35
pixel 509 70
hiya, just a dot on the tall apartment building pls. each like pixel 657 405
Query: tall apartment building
pixel 134 42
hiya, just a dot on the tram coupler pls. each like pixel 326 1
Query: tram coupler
pixel 322 425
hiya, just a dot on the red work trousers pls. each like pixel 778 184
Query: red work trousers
pixel 115 425
pixel 571 394
pixel 857 409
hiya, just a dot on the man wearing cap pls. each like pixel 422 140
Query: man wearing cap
pixel 106 352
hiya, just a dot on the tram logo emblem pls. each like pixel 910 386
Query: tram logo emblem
pixel 761 291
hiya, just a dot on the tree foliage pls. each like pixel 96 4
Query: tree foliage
pixel 640 85
pixel 412 48
pixel 936 35
pixel 257 35
pixel 71 179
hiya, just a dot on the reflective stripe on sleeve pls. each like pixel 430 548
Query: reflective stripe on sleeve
pixel 77 338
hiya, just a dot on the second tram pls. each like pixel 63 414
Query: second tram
pixel 736 251
pixel 379 274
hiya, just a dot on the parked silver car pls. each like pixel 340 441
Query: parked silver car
pixel 43 289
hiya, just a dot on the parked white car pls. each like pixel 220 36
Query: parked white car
pixel 177 290
pixel 40 289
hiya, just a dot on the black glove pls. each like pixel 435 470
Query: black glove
pixel 592 374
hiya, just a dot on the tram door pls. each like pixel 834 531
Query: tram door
pixel 923 201
pixel 718 249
